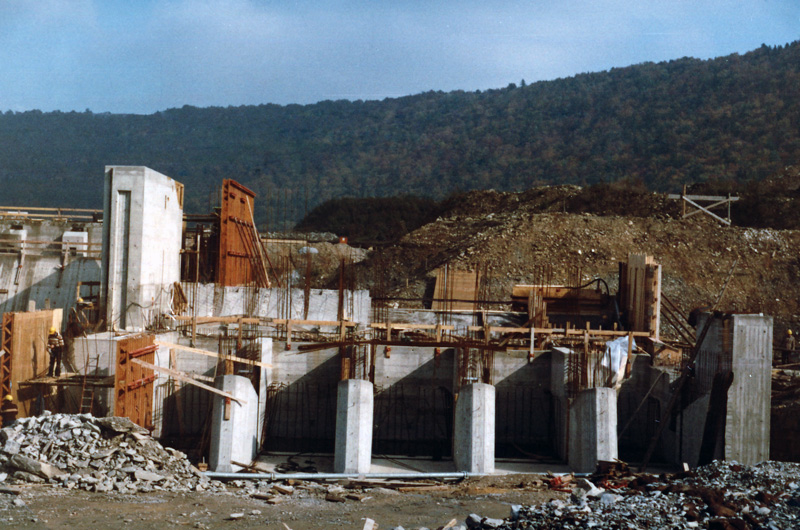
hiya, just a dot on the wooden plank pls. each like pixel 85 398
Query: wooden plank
pixel 703 197
pixel 556 291
pixel 29 357
pixel 207 353
pixel 215 320
pixel 409 325
pixel 181 376
pixel 336 323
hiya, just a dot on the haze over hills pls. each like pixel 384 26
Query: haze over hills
pixel 666 124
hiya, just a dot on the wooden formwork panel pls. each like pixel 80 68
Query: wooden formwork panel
pixel 235 251
pixel 133 385
pixel 452 285
pixel 642 294
pixel 25 357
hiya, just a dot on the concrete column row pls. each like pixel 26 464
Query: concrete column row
pixel 473 437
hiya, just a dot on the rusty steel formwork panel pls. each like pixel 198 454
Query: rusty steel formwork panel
pixel 5 358
pixel 133 385
pixel 241 254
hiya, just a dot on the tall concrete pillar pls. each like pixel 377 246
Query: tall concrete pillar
pixel 354 410
pixel 474 429
pixel 592 429
pixel 233 431
pixel 142 226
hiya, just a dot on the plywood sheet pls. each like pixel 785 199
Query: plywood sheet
pixel 28 357
pixel 455 290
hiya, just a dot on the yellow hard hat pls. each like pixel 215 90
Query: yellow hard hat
pixel 788 331
pixel 53 330
pixel 80 300
pixel 8 398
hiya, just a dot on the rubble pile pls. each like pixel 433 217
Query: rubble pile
pixel 722 496
pixel 94 454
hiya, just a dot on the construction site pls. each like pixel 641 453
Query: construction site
pixel 516 344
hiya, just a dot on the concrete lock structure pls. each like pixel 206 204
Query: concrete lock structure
pixel 285 369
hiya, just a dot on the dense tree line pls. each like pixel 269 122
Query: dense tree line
pixel 368 221
pixel 735 118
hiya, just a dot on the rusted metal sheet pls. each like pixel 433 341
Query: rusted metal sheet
pixel 133 383
pixel 241 259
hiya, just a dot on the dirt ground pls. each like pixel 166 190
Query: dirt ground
pixel 48 507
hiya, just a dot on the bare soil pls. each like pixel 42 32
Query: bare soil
pixel 509 235
pixel 53 507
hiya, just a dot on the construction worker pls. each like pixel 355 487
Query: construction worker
pixel 789 345
pixel 55 347
pixel 8 411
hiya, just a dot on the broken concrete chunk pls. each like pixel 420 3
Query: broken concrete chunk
pixel 120 425
pixel 147 476
pixel 333 497
pixel 35 467
pixel 24 476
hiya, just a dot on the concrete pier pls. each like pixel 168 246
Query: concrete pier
pixel 233 439
pixel 354 411
pixel 592 429
pixel 474 429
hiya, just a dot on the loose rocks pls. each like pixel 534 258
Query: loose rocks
pixel 721 495
pixel 95 454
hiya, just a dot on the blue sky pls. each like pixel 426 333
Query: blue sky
pixel 142 56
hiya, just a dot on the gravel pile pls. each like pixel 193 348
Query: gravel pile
pixel 720 496
pixel 94 454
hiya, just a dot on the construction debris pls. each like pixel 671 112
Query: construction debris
pixel 95 454
pixel 722 495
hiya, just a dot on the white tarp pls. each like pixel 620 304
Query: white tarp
pixel 615 359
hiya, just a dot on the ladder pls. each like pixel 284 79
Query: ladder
pixel 87 390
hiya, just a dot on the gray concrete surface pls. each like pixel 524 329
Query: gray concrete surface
pixel 354 411
pixel 474 429
pixel 234 439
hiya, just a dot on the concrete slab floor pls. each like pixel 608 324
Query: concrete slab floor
pixel 405 464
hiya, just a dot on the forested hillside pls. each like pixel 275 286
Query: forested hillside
pixel 666 124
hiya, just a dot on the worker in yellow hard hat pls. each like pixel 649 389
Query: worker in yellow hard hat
pixel 8 411
pixel 55 347
pixel 789 346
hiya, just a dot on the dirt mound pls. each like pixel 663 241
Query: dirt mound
pixel 510 235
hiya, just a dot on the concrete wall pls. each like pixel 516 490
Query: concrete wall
pixel 592 429
pixel 217 300
pixel 96 355
pixel 558 389
pixel 301 407
pixel 43 273
pixel 141 245
pixel 747 423
pixel 640 429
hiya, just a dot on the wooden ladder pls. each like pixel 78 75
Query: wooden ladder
pixel 87 390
